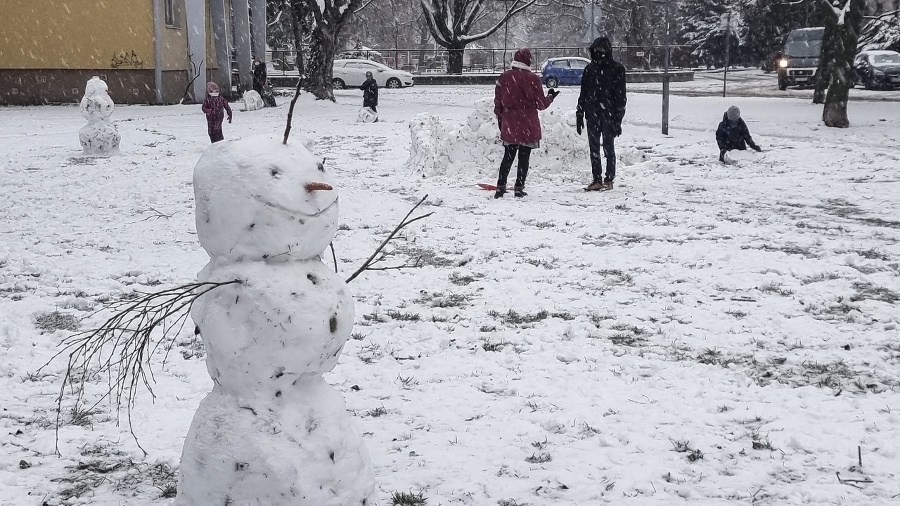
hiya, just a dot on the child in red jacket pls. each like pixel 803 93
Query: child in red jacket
pixel 215 107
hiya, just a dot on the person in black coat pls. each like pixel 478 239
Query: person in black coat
pixel 602 103
pixel 733 133
pixel 370 92
pixel 259 75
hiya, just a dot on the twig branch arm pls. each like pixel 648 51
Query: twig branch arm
pixel 406 221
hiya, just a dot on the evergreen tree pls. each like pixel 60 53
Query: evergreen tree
pixel 768 23
pixel 703 26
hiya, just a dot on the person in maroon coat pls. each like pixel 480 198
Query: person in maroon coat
pixel 518 97
pixel 215 107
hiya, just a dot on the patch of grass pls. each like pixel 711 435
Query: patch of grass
pixel 818 278
pixel 868 291
pixel 775 287
pixel 375 413
pixel 542 262
pixel 618 277
pixel 540 224
pixel 487 328
pixel 50 322
pixel 790 249
pixel 407 382
pixel 489 346
pixel 106 465
pixel 513 318
pixel 625 339
pixel 681 446
pixel 408 317
pixel 694 455
pixel 357 336
pixel 420 257
pixel 444 300
pixel 539 459
pixel 736 313
pixel 463 280
pixel 408 499
pixel 874 254
pixel 714 357
pixel 597 318
pixel 81 417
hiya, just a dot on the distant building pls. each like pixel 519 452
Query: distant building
pixel 147 51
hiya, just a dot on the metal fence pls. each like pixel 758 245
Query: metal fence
pixel 482 60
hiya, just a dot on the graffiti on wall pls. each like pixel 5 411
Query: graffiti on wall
pixel 126 59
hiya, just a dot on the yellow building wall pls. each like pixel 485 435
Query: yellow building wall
pixel 77 34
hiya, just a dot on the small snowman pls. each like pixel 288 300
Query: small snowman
pixel 99 136
pixel 272 431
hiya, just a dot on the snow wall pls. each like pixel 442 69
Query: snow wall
pixel 440 147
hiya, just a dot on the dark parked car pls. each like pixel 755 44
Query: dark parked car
pixel 556 71
pixel 877 69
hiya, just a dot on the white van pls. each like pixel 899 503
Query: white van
pixel 799 60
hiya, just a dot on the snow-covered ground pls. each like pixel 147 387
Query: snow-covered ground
pixel 703 334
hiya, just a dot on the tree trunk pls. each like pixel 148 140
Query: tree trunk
pixel 297 16
pixel 839 73
pixel 319 72
pixel 455 62
pixel 826 57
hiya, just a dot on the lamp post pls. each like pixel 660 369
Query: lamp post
pixel 665 101
pixel 727 52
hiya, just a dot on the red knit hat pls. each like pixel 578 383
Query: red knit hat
pixel 523 55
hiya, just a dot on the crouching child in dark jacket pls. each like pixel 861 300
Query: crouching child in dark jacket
pixel 733 133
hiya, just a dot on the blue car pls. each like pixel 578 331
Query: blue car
pixel 556 71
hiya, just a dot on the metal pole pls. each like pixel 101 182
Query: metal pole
pixel 593 29
pixel 505 34
pixel 727 53
pixel 665 102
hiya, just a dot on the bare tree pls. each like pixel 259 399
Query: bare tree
pixel 452 22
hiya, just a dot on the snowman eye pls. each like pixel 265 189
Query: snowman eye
pixel 321 166
pixel 275 172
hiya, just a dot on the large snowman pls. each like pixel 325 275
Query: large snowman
pixel 100 135
pixel 272 431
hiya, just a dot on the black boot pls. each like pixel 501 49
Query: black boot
pixel 499 193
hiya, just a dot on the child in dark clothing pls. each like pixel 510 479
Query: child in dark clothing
pixel 370 92
pixel 733 133
pixel 215 107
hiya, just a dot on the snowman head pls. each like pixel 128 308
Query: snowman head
pixel 96 103
pixel 259 199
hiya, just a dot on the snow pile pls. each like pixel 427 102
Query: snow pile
pixel 367 115
pixel 272 431
pixel 441 147
pixel 253 101
pixel 100 136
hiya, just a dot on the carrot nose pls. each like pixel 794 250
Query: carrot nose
pixel 311 187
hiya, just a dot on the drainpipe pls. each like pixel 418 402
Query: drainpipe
pixel 157 48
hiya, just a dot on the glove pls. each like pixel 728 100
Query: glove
pixel 552 93
pixel 579 121
pixel 229 119
pixel 756 147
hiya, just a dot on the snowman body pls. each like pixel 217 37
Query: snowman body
pixel 100 136
pixel 272 431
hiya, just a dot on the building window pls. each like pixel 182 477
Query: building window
pixel 171 15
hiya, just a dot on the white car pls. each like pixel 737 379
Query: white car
pixel 352 73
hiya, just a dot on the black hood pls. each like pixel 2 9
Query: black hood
pixel 601 49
